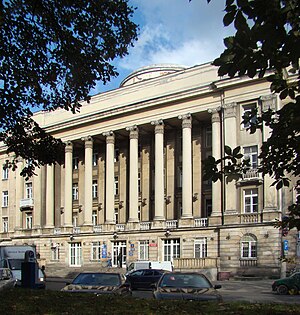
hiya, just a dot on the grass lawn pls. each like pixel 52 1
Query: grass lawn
pixel 31 302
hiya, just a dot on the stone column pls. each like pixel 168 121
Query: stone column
pixel 159 202
pixel 230 136
pixel 88 180
pixel 110 177
pixel 37 199
pixel 133 174
pixel 68 208
pixel 216 153
pixel 50 196
pixel 270 192
pixel 19 194
pixel 187 201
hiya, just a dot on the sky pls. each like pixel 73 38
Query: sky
pixel 174 32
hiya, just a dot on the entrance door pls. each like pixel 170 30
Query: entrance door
pixel 119 254
pixel 75 254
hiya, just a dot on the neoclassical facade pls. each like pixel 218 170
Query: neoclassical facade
pixel 132 179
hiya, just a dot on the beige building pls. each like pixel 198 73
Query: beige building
pixel 132 181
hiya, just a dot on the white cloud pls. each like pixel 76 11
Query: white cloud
pixel 174 31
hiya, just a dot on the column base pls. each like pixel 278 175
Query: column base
pixel 159 218
pixel 133 220
pixel 158 223
pixel 214 220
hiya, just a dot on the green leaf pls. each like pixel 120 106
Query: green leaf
pixel 228 18
pixel 236 151
pixel 227 150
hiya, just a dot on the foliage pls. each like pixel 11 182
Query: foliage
pixel 24 301
pixel 52 54
pixel 266 44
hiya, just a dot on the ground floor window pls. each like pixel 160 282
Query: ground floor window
pixel 171 249
pixel 200 247
pixel 5 224
pixel 144 250
pixel 119 254
pixel 55 252
pixel 248 247
pixel 75 254
pixel 96 251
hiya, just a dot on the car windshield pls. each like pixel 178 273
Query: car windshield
pixel 184 281
pixel 97 279
pixel 15 264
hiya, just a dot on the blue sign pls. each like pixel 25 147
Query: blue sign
pixel 104 251
pixel 285 245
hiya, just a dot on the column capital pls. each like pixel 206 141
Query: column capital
pixel 215 114
pixel 133 132
pixel 157 122
pixel 230 110
pixel 88 142
pixel 68 146
pixel 159 125
pixel 268 101
pixel 186 120
pixel 110 137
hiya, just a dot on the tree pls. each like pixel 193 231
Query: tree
pixel 266 43
pixel 52 54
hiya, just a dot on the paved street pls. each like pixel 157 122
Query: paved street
pixel 232 290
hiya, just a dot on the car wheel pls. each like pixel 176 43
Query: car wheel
pixel 282 289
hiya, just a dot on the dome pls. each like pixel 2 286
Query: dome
pixel 150 72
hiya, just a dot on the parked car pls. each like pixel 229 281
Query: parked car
pixel 186 286
pixel 143 278
pixel 149 264
pixel 288 285
pixel 98 283
pixel 7 280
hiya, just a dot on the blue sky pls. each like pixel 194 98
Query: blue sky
pixel 172 31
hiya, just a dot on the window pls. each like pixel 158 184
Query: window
pixel 179 176
pixel 208 207
pixel 117 215
pixel 95 158
pixel 117 154
pixel 171 249
pixel 55 252
pixel 75 220
pixel 28 219
pixel 75 162
pixel 96 251
pixel 139 183
pixel 248 247
pixel 144 250
pixel 208 137
pixel 28 190
pixel 200 248
pixel 116 187
pixel 247 109
pixel 251 154
pixel 4 172
pixel 251 200
pixel 95 189
pixel 5 225
pixel 5 198
pixel 94 217
pixel 75 191
pixel 139 212
pixel 75 254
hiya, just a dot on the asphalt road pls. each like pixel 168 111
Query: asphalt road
pixel 259 291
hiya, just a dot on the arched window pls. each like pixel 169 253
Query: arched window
pixel 248 246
